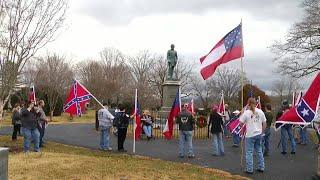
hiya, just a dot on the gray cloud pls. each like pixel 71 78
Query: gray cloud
pixel 119 12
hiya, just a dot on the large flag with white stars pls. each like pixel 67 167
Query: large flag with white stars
pixel 304 112
pixel 78 97
pixel 230 47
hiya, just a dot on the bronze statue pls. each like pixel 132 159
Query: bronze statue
pixel 172 58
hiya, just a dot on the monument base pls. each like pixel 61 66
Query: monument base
pixel 170 89
pixel 4 153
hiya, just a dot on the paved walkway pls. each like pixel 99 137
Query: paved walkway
pixel 299 166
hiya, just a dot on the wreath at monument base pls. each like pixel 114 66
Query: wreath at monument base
pixel 201 121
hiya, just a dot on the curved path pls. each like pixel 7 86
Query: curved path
pixel 299 166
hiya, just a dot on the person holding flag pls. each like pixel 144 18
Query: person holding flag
pixel 286 129
pixel 105 119
pixel 216 123
pixel 255 122
pixel 266 138
pixel 121 121
pixel 235 137
pixel 29 127
pixel 186 123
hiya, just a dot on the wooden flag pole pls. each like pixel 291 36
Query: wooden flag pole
pixel 91 95
pixel 134 121
pixel 242 73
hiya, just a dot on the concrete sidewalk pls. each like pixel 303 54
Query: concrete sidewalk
pixel 299 166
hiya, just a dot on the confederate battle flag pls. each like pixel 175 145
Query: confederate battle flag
pixel 77 98
pixel 305 111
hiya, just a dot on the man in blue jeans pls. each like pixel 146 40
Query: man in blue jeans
pixel 29 128
pixel 266 138
pixel 303 135
pixel 255 122
pixel 186 123
pixel 286 129
pixel 105 119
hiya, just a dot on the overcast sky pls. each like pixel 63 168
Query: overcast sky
pixel 194 26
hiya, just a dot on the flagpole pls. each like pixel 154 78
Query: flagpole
pixel 92 95
pixel 242 73
pixel 134 121
pixel 224 107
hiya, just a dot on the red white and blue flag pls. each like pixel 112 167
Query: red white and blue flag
pixel 235 127
pixel 137 118
pixel 77 98
pixel 191 107
pixel 305 111
pixel 230 47
pixel 258 103
pixel 32 94
pixel 222 108
pixel 175 110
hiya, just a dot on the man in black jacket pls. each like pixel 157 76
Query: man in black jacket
pixel 121 121
pixel 216 124
pixel 186 123
pixel 29 127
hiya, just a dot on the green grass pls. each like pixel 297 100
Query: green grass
pixel 58 161
pixel 89 117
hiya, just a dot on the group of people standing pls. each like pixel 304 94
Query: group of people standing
pixel 30 121
pixel 119 120
pixel 256 138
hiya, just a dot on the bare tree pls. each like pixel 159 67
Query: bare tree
pixel 285 86
pixel 92 75
pixel 27 26
pixel 54 77
pixel 184 71
pixel 279 88
pixel 203 90
pixel 141 66
pixel 118 75
pixel 158 75
pixel 228 80
pixel 299 54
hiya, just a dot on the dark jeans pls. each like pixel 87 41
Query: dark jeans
pixel 122 133
pixel 16 130
pixel 266 139
pixel 42 129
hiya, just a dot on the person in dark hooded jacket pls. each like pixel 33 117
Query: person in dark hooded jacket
pixel 216 124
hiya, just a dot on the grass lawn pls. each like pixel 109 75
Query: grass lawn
pixel 57 161
pixel 89 117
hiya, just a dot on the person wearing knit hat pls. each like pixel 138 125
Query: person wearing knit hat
pixel 216 123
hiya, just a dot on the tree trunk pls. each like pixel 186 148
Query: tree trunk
pixel 1 109
pixel 51 115
pixel 2 104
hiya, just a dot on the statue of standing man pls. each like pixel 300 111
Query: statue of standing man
pixel 172 58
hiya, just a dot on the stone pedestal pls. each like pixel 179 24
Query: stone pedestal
pixel 170 89
pixel 4 152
